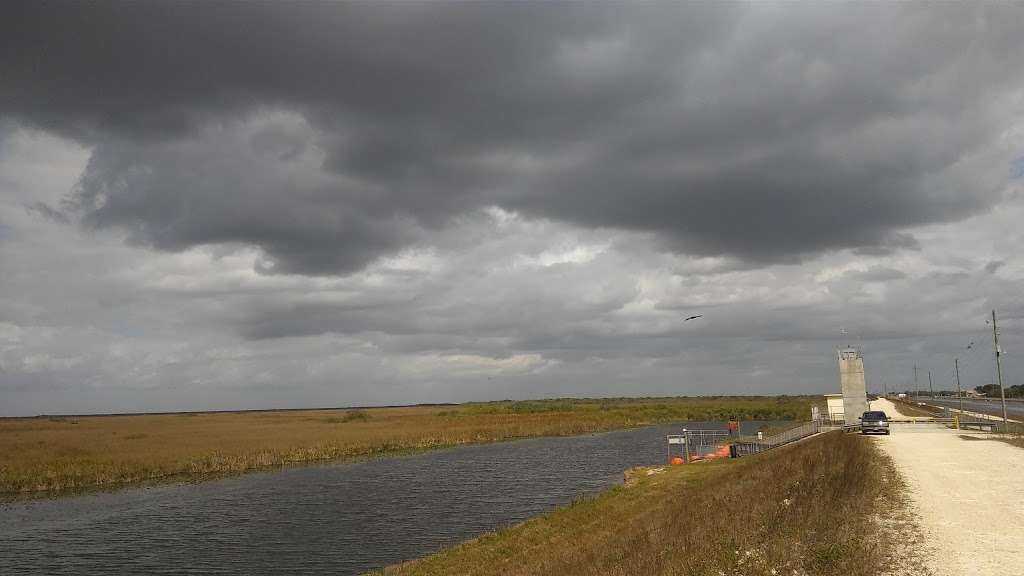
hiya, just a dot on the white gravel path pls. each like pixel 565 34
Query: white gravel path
pixel 969 495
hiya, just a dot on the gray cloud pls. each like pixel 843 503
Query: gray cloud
pixel 876 274
pixel 750 131
pixel 44 210
pixel 334 204
pixel 994 266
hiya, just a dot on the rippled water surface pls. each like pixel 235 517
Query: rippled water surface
pixel 337 519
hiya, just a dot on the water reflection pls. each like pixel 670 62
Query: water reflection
pixel 338 519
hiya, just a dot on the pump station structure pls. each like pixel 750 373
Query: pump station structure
pixel 851 378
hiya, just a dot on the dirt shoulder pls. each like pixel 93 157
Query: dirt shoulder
pixel 968 494
pixel 895 410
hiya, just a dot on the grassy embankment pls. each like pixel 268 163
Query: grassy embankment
pixel 52 455
pixel 811 508
pixel 1014 435
pixel 1014 439
pixel 911 408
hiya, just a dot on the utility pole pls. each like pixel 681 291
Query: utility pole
pixel 956 368
pixel 916 391
pixel 999 371
pixel 931 391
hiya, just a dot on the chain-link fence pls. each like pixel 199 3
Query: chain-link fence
pixel 698 444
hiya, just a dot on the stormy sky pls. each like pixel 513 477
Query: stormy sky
pixel 214 205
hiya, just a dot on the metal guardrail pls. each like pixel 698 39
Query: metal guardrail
pixel 967 415
pixel 985 426
pixel 920 420
pixel 967 398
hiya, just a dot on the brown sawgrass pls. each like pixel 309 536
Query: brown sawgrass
pixel 50 455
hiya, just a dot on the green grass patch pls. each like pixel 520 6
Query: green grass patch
pixel 350 416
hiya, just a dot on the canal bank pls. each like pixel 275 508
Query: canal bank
pixel 336 518
pixel 813 507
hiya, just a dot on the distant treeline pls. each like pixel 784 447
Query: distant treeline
pixel 656 409
pixel 988 390
pixel 1015 391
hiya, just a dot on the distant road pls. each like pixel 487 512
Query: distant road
pixel 968 494
pixel 1014 409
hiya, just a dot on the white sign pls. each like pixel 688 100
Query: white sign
pixel 677 440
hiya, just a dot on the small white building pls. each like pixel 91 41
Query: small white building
pixel 834 410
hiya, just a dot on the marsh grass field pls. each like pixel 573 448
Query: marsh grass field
pixel 49 455
pixel 814 507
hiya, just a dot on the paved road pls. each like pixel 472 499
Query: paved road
pixel 969 495
pixel 1014 410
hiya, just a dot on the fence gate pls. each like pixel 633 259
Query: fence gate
pixel 698 443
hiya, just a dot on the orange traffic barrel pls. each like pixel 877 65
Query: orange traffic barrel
pixel 677 461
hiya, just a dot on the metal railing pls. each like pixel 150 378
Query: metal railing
pixel 834 422
pixel 698 443
pixel 781 439
pixel 704 441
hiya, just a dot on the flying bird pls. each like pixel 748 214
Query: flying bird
pixel 694 317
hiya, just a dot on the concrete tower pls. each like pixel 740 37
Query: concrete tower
pixel 851 377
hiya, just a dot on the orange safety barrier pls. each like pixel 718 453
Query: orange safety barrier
pixel 677 461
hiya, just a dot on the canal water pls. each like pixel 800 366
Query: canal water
pixel 336 518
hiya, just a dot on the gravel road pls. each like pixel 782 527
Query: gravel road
pixel 969 495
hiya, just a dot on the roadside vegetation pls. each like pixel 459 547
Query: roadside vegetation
pixel 48 455
pixel 814 507
pixel 992 390
pixel 1013 439
pixel 911 408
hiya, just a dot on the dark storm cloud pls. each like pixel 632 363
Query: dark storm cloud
pixel 994 266
pixel 44 210
pixel 761 132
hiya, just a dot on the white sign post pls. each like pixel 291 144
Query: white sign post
pixel 679 439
